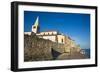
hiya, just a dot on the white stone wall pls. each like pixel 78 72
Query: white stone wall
pixel 49 33
pixel 27 33
pixel 52 38
pixel 61 39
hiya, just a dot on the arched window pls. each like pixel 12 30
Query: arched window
pixel 48 33
pixel 62 40
pixel 52 33
pixel 34 27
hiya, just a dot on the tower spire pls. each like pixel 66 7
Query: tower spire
pixel 37 22
pixel 35 27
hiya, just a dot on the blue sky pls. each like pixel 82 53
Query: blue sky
pixel 76 26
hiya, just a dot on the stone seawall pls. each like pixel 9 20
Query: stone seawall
pixel 38 49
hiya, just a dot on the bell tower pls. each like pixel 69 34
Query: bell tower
pixel 35 27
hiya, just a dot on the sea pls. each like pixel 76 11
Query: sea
pixel 87 52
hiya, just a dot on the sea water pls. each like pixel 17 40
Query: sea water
pixel 87 52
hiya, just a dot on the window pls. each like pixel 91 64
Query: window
pixel 62 40
pixel 34 27
pixel 52 33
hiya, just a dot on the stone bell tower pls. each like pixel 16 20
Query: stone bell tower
pixel 35 27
